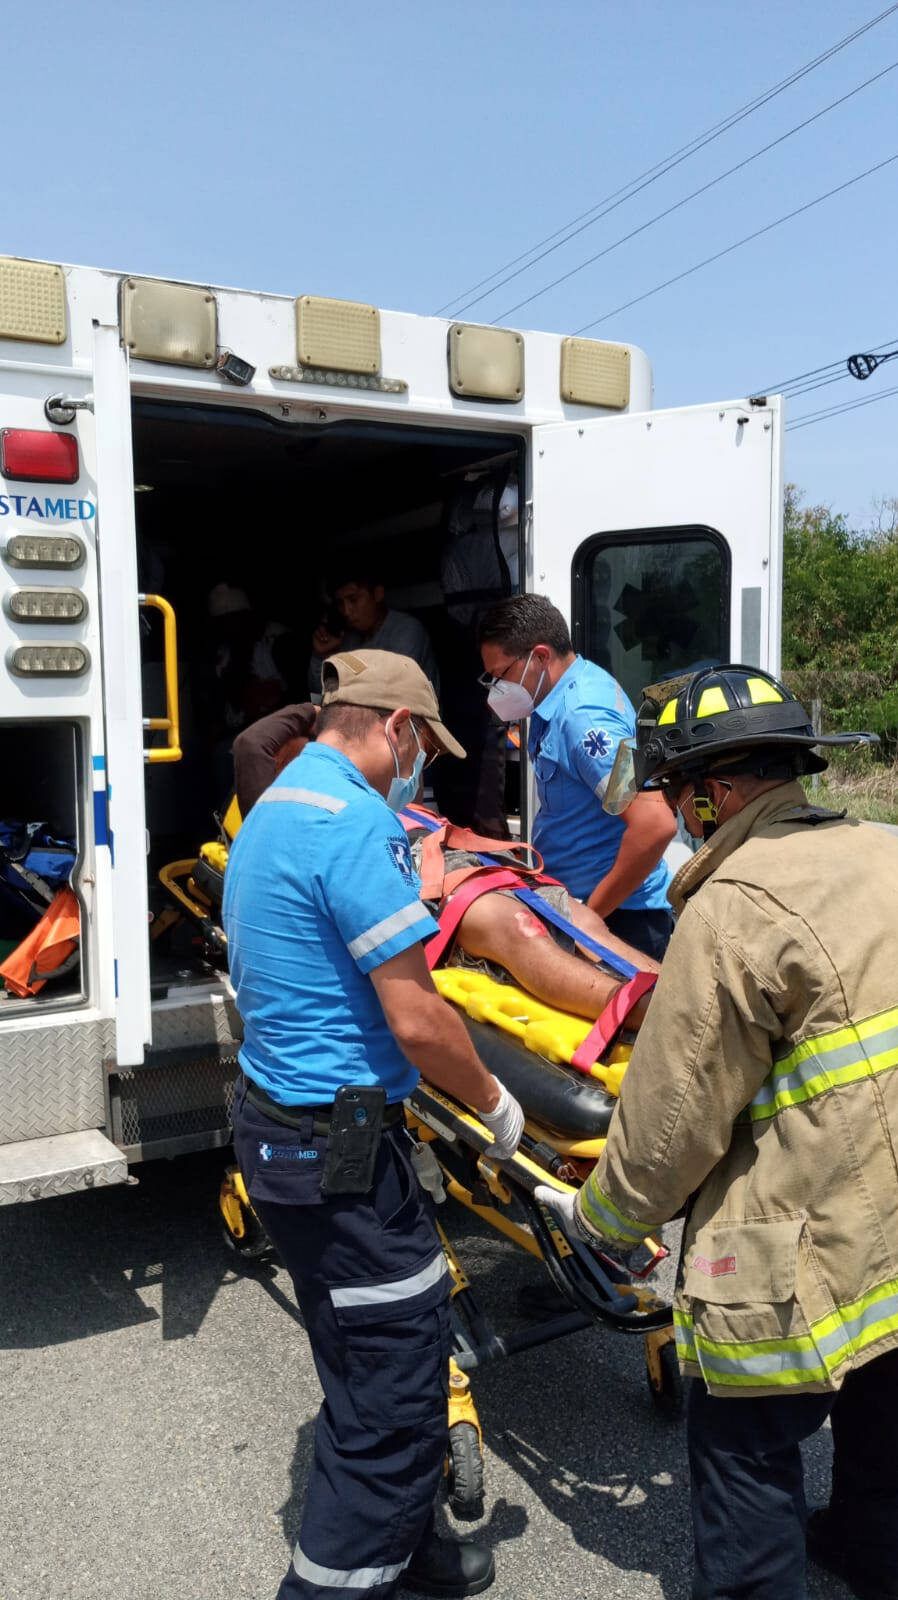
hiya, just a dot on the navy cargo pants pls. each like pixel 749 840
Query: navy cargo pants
pixel 373 1288
pixel 748 1504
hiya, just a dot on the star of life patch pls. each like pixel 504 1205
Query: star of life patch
pixel 597 743
pixel 401 856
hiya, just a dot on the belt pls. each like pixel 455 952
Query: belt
pixel 298 1116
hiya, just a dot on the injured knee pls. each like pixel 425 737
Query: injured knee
pixel 491 922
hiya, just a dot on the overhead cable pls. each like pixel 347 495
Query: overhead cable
pixel 813 372
pixel 810 417
pixel 703 189
pixel 738 243
pixel 618 197
pixel 864 364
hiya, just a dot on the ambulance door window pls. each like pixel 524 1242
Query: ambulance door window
pixel 652 603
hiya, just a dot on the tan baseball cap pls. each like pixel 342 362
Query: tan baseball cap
pixel 384 681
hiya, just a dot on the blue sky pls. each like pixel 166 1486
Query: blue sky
pixel 398 152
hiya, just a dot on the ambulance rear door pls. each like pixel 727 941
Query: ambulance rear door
pixel 110 426
pixel 660 535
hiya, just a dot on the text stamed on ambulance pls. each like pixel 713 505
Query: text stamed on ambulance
pixel 47 510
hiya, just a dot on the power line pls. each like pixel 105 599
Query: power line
pixel 820 377
pixel 712 182
pixel 719 254
pixel 830 366
pixel 651 175
pixel 821 383
pixel 809 418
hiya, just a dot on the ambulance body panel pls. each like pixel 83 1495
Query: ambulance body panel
pixel 657 533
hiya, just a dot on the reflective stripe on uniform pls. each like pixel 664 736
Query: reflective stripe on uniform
pixel 303 797
pixel 387 929
pixel 601 1212
pixel 377 1294
pixel 345 1577
pixel 812 1357
pixel 847 1055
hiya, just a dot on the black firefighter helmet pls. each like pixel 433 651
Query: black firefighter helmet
pixel 730 716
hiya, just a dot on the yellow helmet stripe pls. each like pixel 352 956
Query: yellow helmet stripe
pixel 712 700
pixel 669 714
pixel 762 693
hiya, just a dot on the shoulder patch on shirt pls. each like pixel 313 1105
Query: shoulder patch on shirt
pixel 597 743
pixel 401 856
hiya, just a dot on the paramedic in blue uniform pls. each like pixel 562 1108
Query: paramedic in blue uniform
pixel 326 936
pixel 578 716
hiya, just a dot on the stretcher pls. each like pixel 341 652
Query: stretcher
pixel 530 1047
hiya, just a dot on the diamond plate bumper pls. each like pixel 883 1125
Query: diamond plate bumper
pixel 34 1169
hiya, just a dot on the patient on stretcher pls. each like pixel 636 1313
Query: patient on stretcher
pixel 497 933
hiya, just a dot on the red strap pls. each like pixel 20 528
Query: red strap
pixel 448 836
pixel 611 1020
pixel 458 903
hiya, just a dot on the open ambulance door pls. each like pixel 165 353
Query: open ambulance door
pixel 122 696
pixel 664 530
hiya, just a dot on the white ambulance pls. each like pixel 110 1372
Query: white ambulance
pixel 186 472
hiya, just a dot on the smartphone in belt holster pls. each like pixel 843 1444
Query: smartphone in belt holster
pixel 354 1139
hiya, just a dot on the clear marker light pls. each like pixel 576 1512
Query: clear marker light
pixel 46 605
pixel 49 550
pixel 48 661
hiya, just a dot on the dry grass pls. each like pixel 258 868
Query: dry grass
pixel 863 788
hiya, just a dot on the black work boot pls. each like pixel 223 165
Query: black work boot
pixel 449 1567
pixel 829 1549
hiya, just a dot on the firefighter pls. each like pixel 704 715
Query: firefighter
pixel 325 934
pixel 762 1096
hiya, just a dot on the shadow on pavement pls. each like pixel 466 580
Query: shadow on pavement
pixel 76 1266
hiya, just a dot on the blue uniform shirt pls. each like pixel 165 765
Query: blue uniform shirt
pixel 574 735
pixel 319 891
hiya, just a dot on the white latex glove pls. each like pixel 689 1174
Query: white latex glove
pixel 562 1204
pixel 636 1260
pixel 506 1124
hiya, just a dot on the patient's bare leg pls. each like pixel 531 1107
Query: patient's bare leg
pixel 592 923
pixel 500 929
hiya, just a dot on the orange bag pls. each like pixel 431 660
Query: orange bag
pixel 48 946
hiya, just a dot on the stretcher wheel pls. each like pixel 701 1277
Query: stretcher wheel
pixel 243 1232
pixel 662 1371
pixel 465 1470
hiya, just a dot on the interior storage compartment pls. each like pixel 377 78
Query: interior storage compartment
pixel 247 524
pixel 40 849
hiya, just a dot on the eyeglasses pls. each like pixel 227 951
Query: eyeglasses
pixel 486 679
pixel 673 785
pixel 431 751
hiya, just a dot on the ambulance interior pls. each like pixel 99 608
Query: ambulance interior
pixel 41 841
pixel 246 524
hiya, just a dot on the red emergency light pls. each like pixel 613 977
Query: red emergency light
pixel 38 456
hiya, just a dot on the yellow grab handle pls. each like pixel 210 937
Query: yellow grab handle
pixel 170 723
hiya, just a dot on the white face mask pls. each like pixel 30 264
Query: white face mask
pixel 511 701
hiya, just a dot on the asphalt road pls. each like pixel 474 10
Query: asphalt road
pixel 158 1411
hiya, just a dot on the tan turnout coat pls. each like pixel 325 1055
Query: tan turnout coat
pixel 762 1095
